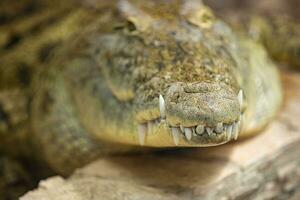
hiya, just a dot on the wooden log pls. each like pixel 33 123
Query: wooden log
pixel 262 167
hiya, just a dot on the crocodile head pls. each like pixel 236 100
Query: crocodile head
pixel 178 73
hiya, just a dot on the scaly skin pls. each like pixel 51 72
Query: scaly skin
pixel 280 36
pixel 139 73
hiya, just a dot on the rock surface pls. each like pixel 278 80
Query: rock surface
pixel 262 167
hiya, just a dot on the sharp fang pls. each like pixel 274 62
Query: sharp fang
pixel 142 132
pixel 175 134
pixel 200 129
pixel 225 133
pixel 241 121
pixel 162 107
pixel 209 131
pixel 219 127
pixel 188 133
pixel 240 125
pixel 235 130
pixel 150 126
pixel 229 132
pixel 181 128
pixel 240 98
pixel 236 135
pixel 194 130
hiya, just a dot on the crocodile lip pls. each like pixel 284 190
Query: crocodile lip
pixel 197 135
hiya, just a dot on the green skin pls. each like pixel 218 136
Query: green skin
pixel 93 98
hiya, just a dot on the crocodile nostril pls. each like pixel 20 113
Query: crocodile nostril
pixel 201 103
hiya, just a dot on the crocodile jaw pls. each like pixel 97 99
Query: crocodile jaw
pixel 157 132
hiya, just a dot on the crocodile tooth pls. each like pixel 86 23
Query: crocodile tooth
pixel 194 130
pixel 181 128
pixel 200 129
pixel 229 132
pixel 188 133
pixel 162 107
pixel 225 133
pixel 150 126
pixel 219 127
pixel 142 132
pixel 236 135
pixel 209 131
pixel 175 134
pixel 241 121
pixel 235 130
pixel 240 98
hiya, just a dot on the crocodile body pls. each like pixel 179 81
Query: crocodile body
pixel 156 74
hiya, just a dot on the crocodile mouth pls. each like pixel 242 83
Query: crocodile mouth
pixel 200 134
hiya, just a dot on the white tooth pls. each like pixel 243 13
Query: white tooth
pixel 241 121
pixel 229 132
pixel 181 128
pixel 162 107
pixel 175 134
pixel 225 133
pixel 142 132
pixel 235 130
pixel 219 127
pixel 239 125
pixel 194 130
pixel 240 98
pixel 150 126
pixel 209 131
pixel 236 135
pixel 188 133
pixel 200 129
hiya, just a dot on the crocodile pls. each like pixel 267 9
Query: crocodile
pixel 153 74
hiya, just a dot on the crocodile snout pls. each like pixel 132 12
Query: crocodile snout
pixel 201 103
